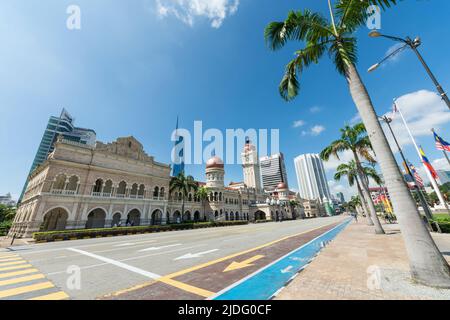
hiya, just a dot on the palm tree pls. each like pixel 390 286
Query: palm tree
pixel 355 139
pixel 183 184
pixel 202 193
pixel 336 38
pixel 349 170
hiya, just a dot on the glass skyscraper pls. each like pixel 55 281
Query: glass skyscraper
pixel 312 182
pixel 64 124
pixel 273 171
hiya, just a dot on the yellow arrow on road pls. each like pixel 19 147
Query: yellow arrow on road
pixel 244 264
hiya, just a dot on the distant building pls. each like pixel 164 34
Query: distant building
pixel 62 125
pixel 312 182
pixel 7 200
pixel 340 197
pixel 273 171
pixel 444 176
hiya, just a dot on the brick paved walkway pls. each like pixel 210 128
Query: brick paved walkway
pixel 348 267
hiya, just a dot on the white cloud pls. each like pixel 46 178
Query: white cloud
pixel 391 50
pixel 315 109
pixel 333 162
pixel 356 119
pixel 298 123
pixel 423 110
pixel 314 131
pixel 188 10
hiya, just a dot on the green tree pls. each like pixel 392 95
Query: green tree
pixel 202 193
pixel 183 184
pixel 337 38
pixel 355 139
pixel 350 171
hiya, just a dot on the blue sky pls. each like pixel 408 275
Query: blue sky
pixel 135 65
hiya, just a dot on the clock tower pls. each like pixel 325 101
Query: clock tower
pixel 250 165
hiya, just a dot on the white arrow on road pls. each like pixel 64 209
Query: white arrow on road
pixel 286 270
pixel 159 248
pixel 195 255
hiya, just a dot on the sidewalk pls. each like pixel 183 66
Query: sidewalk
pixel 359 265
pixel 5 242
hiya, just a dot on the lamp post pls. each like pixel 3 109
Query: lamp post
pixel 413 44
pixel 424 203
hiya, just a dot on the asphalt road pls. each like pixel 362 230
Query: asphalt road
pixel 95 268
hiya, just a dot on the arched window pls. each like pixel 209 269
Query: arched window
pixel 162 193
pixel 108 188
pixel 216 195
pixel 60 182
pixel 73 184
pixel 98 186
pixel 134 190
pixel 156 192
pixel 220 196
pixel 121 190
pixel 190 197
pixel 141 191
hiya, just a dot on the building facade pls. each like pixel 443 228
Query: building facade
pixel 82 186
pixel 273 171
pixel 62 125
pixel 312 182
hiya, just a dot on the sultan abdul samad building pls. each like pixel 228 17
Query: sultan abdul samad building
pixel 81 186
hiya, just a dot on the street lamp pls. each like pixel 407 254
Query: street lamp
pixel 413 44
pixel 424 203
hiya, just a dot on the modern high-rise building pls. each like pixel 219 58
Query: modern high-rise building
pixel 62 125
pixel 444 176
pixel 312 182
pixel 340 197
pixel 273 171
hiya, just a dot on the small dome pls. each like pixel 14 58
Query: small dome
pixel 214 162
pixel 281 185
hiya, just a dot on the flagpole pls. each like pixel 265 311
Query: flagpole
pixel 429 175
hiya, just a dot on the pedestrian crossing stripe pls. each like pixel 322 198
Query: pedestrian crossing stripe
pixel 11 263
pixel 25 289
pixel 21 279
pixel 22 266
pixel 52 296
pixel 9 259
pixel 9 255
pixel 17 273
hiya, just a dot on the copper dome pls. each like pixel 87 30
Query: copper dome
pixel 214 162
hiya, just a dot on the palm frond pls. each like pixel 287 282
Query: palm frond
pixel 300 26
pixel 344 52
pixel 354 13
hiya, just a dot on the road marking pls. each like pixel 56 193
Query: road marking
pixel 23 266
pixel 52 296
pixel 118 264
pixel 186 287
pixel 159 248
pixel 207 264
pixel 21 279
pixel 10 259
pixel 195 255
pixel 9 255
pixel 25 289
pixel 177 284
pixel 250 276
pixel 11 263
pixel 244 264
pixel 17 273
pixel 287 269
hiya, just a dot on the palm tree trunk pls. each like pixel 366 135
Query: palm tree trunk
pixel 427 264
pixel 365 189
pixel 364 204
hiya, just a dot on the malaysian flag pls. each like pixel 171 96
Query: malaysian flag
pixel 416 175
pixel 441 144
